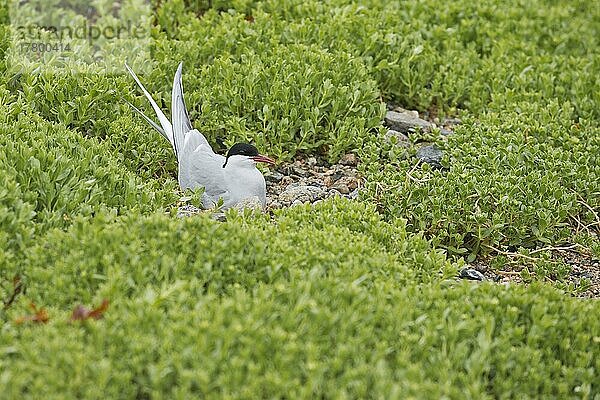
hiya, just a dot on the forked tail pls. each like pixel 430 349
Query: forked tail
pixel 166 129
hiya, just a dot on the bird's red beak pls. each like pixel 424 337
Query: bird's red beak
pixel 263 159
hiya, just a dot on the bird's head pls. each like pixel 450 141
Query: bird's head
pixel 245 154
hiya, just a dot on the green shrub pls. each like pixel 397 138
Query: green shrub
pixel 86 102
pixel 127 257
pixel 423 55
pixel 288 99
pixel 60 174
pixel 315 336
pixel 338 300
pixel 279 308
pixel 515 179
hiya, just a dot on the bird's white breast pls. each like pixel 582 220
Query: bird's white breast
pixel 244 181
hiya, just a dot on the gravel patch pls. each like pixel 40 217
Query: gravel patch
pixel 583 274
pixel 312 180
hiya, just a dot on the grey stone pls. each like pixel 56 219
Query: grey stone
pixel 431 155
pixel 302 193
pixel 274 177
pixel 471 274
pixel 401 110
pixel 341 187
pixel 401 139
pixel 300 172
pixel 405 122
pixel 350 181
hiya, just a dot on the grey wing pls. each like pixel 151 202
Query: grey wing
pixel 205 169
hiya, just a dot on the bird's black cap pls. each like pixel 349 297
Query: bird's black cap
pixel 241 149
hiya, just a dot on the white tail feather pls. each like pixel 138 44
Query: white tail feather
pixel 167 128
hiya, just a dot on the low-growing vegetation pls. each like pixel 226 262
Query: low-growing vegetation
pixel 106 294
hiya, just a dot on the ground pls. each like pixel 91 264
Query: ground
pixel 354 282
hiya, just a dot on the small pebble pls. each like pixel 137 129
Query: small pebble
pixel 300 172
pixel 349 159
pixel 341 187
pixel 274 177
pixel 471 274
pixel 350 182
pixel 431 155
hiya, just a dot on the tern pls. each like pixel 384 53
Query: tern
pixel 234 179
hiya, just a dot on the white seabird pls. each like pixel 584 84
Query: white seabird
pixel 234 178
